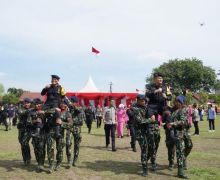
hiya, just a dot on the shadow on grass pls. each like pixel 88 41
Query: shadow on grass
pixel 119 167
pixel 106 149
pixel 13 165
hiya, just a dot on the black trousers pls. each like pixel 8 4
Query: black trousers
pixel 133 137
pixel 110 130
pixel 98 121
pixel 211 124
pixel 196 125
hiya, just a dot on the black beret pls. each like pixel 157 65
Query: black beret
pixel 141 97
pixel 74 99
pixel 157 74
pixel 37 101
pixel 55 77
pixel 27 100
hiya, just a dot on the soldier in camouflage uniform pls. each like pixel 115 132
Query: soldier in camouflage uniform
pixel 179 123
pixel 74 132
pixel 37 116
pixel 58 141
pixel 156 94
pixel 24 130
pixel 139 114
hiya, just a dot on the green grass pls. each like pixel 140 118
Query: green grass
pixel 97 162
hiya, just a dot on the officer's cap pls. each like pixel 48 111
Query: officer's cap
pixel 74 99
pixel 55 77
pixel 27 100
pixel 157 74
pixel 181 99
pixel 37 101
pixel 140 97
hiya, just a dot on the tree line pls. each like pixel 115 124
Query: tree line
pixel 185 76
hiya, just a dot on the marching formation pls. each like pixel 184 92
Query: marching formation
pixel 59 116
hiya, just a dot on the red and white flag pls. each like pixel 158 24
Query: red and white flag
pixel 95 50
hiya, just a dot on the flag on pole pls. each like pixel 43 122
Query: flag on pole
pixel 95 50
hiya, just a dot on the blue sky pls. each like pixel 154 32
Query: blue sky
pixel 44 37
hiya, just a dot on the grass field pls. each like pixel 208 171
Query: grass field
pixel 97 162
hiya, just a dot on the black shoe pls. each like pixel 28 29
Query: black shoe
pixel 134 149
pixel 106 145
pixel 69 164
pixel 27 162
pixel 114 149
pixel 171 166
pixel 181 173
pixel 183 176
pixel 74 163
pixel 40 168
pixel 154 166
pixel 145 172
pixel 51 169
pixel 57 167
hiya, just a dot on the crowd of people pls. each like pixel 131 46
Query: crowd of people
pixel 47 123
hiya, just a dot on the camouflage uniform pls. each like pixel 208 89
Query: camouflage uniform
pixel 186 137
pixel 179 123
pixel 139 115
pixel 39 142
pixel 73 133
pixel 53 140
pixel 24 133
pixel 156 105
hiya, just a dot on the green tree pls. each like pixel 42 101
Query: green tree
pixel 189 98
pixel 203 97
pixel 184 74
pixel 10 98
pixel 15 91
pixel 2 89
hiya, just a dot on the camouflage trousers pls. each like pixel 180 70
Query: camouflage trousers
pixel 141 137
pixel 52 143
pixel 180 149
pixel 24 137
pixel 188 143
pixel 39 145
pixel 153 144
pixel 70 137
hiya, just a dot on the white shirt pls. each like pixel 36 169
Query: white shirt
pixel 109 115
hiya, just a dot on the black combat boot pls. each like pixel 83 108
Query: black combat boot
pixel 171 165
pixel 40 168
pixel 134 149
pixel 27 162
pixel 69 163
pixel 74 161
pixel 145 171
pixel 154 166
pixel 36 133
pixel 57 131
pixel 181 173
pixel 185 165
pixel 57 167
pixel 51 168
